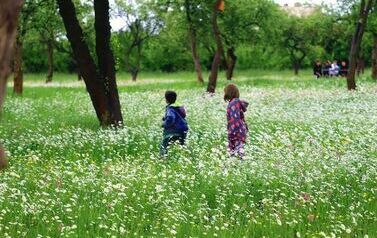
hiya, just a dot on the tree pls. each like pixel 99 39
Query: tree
pixel 61 44
pixel 9 12
pixel 295 42
pixel 100 82
pixel 190 10
pixel 48 25
pixel 193 17
pixel 302 37
pixel 365 7
pixel 141 24
pixel 372 28
pixel 220 49
pixel 374 57
pixel 29 9
pixel 244 22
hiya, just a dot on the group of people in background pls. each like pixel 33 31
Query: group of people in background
pixel 330 69
pixel 333 69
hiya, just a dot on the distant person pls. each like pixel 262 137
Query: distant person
pixel 174 123
pixel 317 69
pixel 334 70
pixel 343 69
pixel 326 68
pixel 237 127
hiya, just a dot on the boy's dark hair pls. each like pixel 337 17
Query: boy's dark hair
pixel 231 92
pixel 170 97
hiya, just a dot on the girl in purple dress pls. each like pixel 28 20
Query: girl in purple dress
pixel 237 127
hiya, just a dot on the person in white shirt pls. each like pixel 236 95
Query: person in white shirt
pixel 334 70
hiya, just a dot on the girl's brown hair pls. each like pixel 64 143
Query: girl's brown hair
pixel 231 92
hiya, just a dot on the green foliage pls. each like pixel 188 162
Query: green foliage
pixel 259 31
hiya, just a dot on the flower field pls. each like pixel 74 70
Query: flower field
pixel 310 167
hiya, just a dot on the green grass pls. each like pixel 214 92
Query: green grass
pixel 310 169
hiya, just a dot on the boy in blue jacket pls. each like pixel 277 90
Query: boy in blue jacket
pixel 174 123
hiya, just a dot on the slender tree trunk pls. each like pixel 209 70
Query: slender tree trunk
pixel 9 13
pixel 360 66
pixel 18 77
pixel 219 52
pixel 95 83
pixel 296 68
pixel 374 57
pixel 297 61
pixel 106 62
pixel 50 52
pixel 134 75
pixel 356 42
pixel 3 159
pixel 214 72
pixel 232 60
pixel 195 57
pixel 135 70
pixel 193 42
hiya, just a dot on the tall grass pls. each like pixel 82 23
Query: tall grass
pixel 310 169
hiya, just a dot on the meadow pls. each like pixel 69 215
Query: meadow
pixel 310 168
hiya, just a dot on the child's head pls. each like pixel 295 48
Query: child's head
pixel 344 63
pixel 170 97
pixel 231 92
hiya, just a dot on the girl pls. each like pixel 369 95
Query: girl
pixel 237 127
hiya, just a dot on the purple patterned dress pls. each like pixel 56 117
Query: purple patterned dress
pixel 237 127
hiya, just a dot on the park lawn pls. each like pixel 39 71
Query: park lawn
pixel 310 169
pixel 149 81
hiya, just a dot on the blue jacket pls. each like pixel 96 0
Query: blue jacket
pixel 174 121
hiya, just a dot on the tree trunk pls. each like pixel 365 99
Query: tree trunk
pixel 232 60
pixel 374 57
pixel 356 42
pixel 360 66
pixel 195 57
pixel 50 52
pixel 296 68
pixel 134 74
pixel 106 62
pixel 18 77
pixel 78 72
pixel 219 52
pixel 193 42
pixel 3 159
pixel 9 13
pixel 95 84
pixel 214 72
pixel 135 71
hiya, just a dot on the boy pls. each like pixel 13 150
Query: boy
pixel 174 123
pixel 326 69
pixel 317 69
pixel 343 69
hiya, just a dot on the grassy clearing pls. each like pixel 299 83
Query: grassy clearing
pixel 183 80
pixel 311 167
